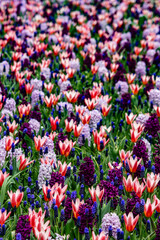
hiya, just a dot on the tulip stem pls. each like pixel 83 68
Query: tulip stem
pixel 141 227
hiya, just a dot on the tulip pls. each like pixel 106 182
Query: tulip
pixel 130 77
pixel 157 109
pixel 3 176
pixel 80 109
pixel 128 183
pixel 114 67
pixel 55 99
pixel 130 118
pixel 95 92
pixel 115 166
pixel 48 101
pixel 63 167
pixel 137 50
pixel 4 216
pixel 149 208
pixel 135 88
pixel 39 142
pixel 8 143
pixel 33 216
pixel 12 126
pixel 137 127
pixel 24 162
pixel 134 135
pixel 94 69
pixel 133 164
pixel 58 198
pixel 52 135
pixel 96 193
pixel 66 147
pixel 101 236
pixel 15 198
pixel 71 96
pixel 29 88
pixel 85 119
pixel 42 235
pixel 48 192
pixel 90 103
pixel 105 110
pixel 138 188
pixel 24 110
pixel 70 72
pixel 157 203
pixel 123 155
pixel 69 125
pixel 75 207
pixel 77 130
pixel 145 79
pixel 54 123
pixel 49 87
pixel 130 221
pixel 152 181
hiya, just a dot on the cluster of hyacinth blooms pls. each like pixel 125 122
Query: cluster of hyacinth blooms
pixel 79 120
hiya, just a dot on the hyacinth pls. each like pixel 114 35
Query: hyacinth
pixel 158 83
pixel 154 96
pixel 126 100
pixel 140 150
pixel 56 177
pixel 2 151
pixel 152 126
pixel 45 74
pixel 131 203
pixel 81 97
pixel 75 64
pixel 26 127
pixel 34 125
pixel 10 105
pixel 62 106
pixel 111 219
pixel 140 68
pixel 121 87
pixel 23 227
pixel 142 118
pixel 44 174
pixel 158 230
pixel 156 155
pixel 115 173
pixel 68 209
pixel 7 113
pixel 49 144
pixel 86 219
pixel 4 68
pixel 87 170
pixel 150 54
pixel 35 114
pixel 95 118
pixel 110 191
pixel 37 84
pixel 148 146
pixel 100 103
pixel 17 152
pixel 35 96
pixel 85 134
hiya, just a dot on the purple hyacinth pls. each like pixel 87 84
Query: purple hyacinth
pixel 87 170
pixel 23 227
pixel 68 209
pixel 110 191
pixel 131 203
pixel 140 151
pixel 158 230
pixel 115 173
pixel 152 126
pixel 86 217
pixel 56 177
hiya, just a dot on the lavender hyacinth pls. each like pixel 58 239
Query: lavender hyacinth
pixel 45 171
pixel 154 96
pixel 95 118
pixel 10 105
pixel 140 68
pixel 35 96
pixel 121 87
pixel 85 134
pixel 34 125
pixel 111 219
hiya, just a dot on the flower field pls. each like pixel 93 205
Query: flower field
pixel 79 120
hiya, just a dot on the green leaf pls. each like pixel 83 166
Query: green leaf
pixel 106 208
pixel 69 225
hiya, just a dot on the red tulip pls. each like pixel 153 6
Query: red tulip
pixel 15 198
pixel 24 162
pixel 3 176
pixel 130 221
pixel 4 216
pixel 149 208
pixel 96 193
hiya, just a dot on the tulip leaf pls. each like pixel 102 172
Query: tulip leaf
pixel 106 208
